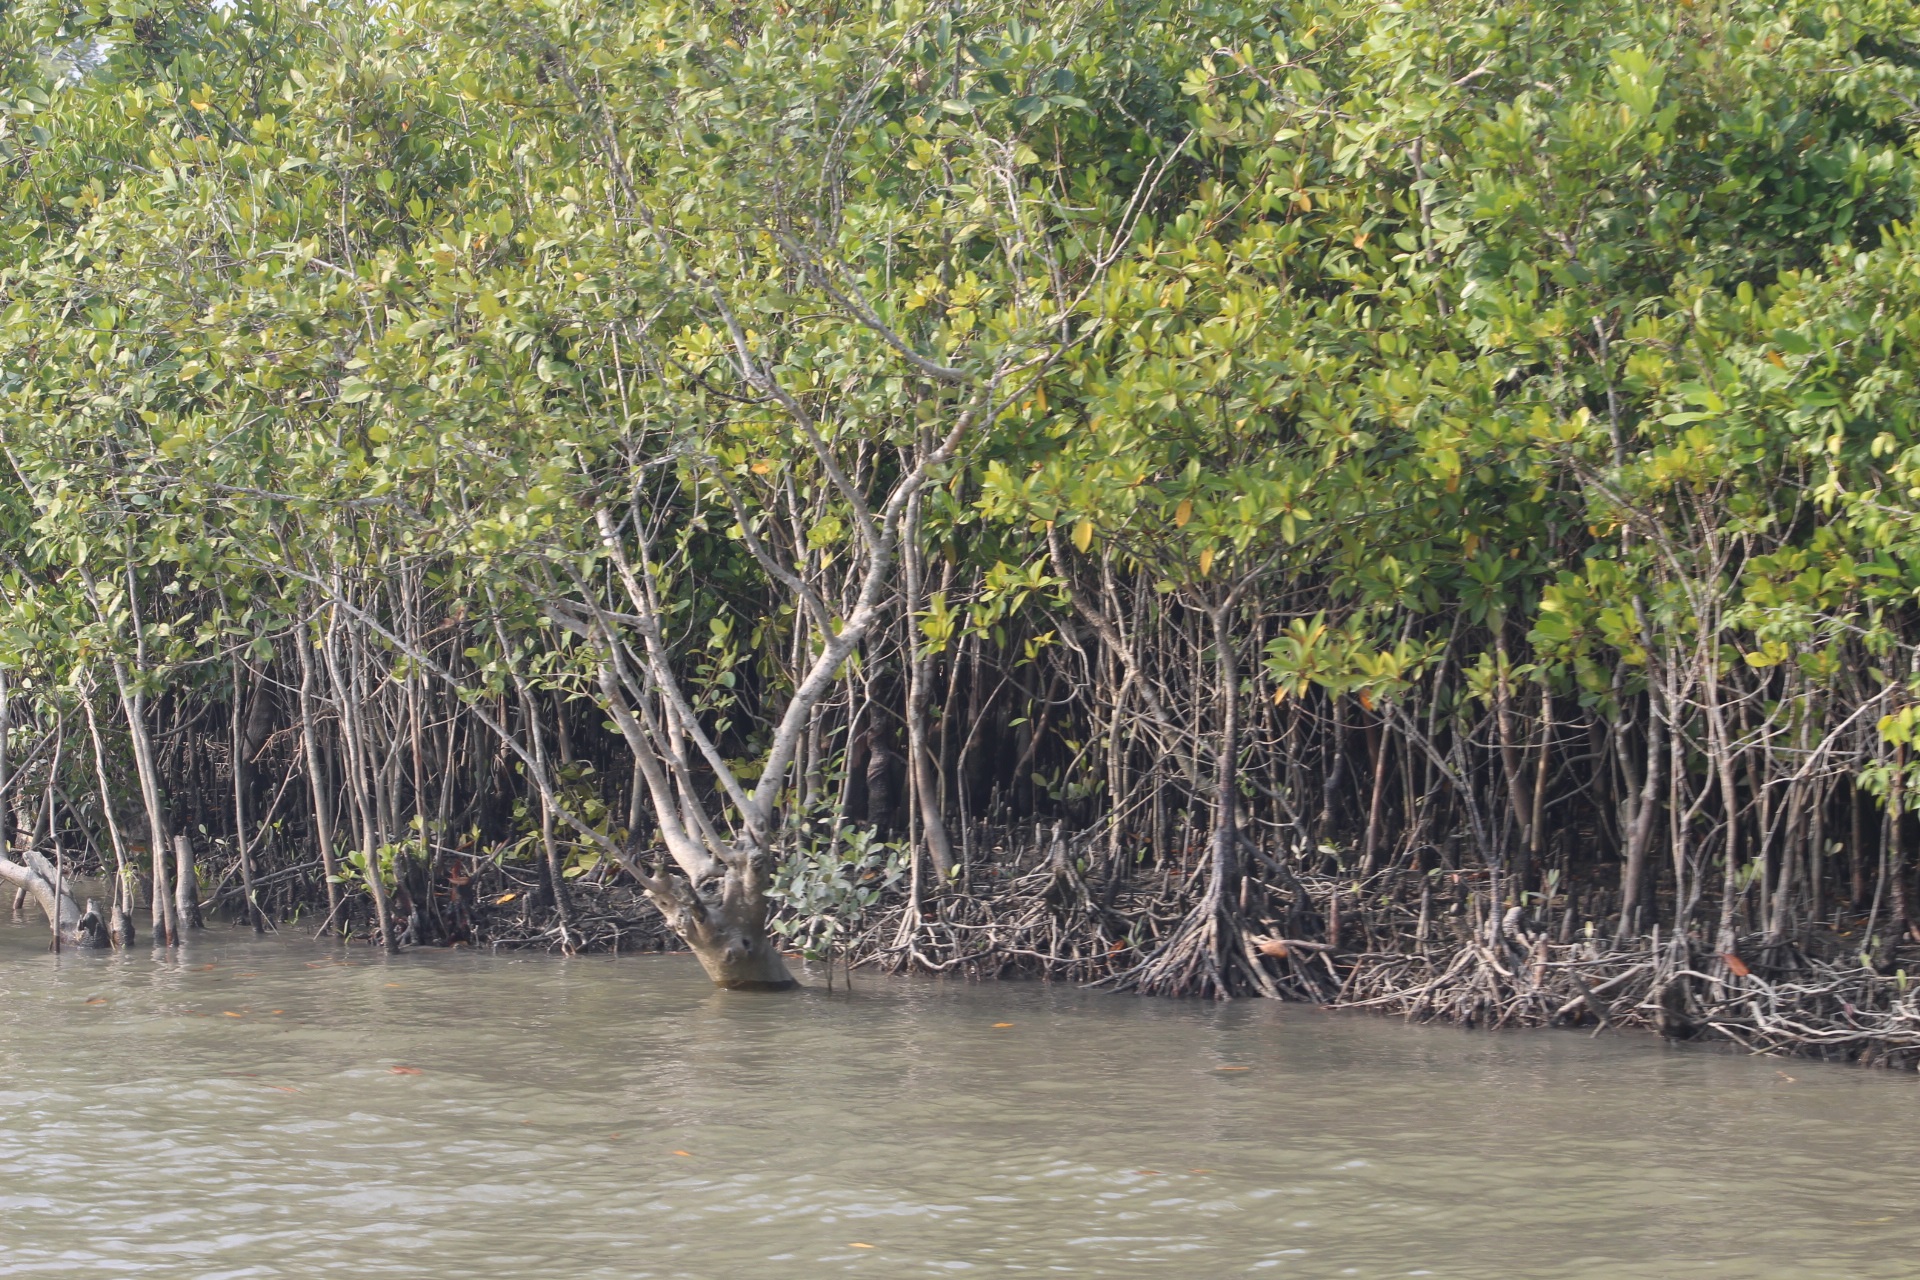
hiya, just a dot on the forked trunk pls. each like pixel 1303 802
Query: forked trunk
pixel 724 923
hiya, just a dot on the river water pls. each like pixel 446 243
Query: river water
pixel 284 1108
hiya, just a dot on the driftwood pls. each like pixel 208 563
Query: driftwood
pixel 73 924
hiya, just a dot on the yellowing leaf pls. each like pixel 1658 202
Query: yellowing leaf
pixel 1183 513
pixel 1206 562
pixel 1083 535
pixel 505 898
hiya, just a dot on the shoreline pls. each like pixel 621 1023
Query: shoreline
pixel 1435 954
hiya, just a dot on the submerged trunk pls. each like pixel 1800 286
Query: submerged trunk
pixel 724 923
pixel 166 924
pixel 166 932
pixel 186 884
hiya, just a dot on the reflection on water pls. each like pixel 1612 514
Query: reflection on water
pixel 282 1109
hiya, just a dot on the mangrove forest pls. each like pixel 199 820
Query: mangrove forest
pixel 1410 506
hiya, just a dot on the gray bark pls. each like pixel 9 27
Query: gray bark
pixel 74 925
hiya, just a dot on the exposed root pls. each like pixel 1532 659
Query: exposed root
pixel 1397 948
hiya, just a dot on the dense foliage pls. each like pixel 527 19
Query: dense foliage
pixel 465 452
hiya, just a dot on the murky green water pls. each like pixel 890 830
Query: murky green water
pixel 238 1112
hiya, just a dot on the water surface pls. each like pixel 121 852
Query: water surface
pixel 284 1108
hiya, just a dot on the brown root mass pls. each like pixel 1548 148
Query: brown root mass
pixel 1422 947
